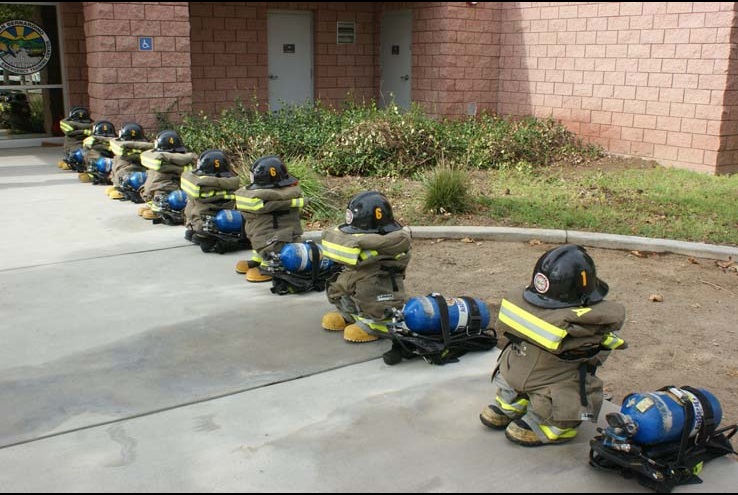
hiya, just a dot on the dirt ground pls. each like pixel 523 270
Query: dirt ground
pixel 681 312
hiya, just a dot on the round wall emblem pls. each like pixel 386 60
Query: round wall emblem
pixel 24 47
pixel 540 282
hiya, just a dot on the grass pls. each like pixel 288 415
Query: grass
pixel 612 195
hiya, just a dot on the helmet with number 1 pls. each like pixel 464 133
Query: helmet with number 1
pixel 565 277
pixel 214 163
pixel 79 114
pixel 132 131
pixel 369 212
pixel 169 141
pixel 103 128
pixel 269 172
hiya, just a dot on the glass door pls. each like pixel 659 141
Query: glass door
pixel 31 86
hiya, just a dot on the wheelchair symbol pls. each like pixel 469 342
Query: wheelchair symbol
pixel 145 44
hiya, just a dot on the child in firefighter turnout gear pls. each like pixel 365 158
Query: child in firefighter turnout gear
pixel 165 165
pixel 76 127
pixel 127 148
pixel 271 206
pixel 211 188
pixel 557 332
pixel 97 146
pixel 375 252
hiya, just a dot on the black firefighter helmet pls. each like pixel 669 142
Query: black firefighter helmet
pixel 103 128
pixel 79 114
pixel 169 141
pixel 565 277
pixel 369 212
pixel 131 131
pixel 213 163
pixel 269 172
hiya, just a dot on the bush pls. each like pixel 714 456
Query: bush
pixel 447 190
pixel 362 139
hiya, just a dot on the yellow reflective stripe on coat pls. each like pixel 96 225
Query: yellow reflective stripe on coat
pixel 249 204
pixel 612 341
pixel 117 148
pixel 88 142
pixel 531 327
pixel 150 163
pixel 65 127
pixel 190 189
pixel 297 203
pixel 342 254
pixel 368 253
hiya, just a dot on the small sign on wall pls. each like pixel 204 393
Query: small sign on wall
pixel 145 43
pixel 288 48
pixel 395 49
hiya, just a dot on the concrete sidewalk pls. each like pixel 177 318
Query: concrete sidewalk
pixel 133 362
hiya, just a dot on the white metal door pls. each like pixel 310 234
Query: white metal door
pixel 290 50
pixel 395 58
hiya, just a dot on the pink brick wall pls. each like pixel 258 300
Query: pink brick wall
pixel 229 52
pixel 455 57
pixel 75 52
pixel 126 84
pixel 644 79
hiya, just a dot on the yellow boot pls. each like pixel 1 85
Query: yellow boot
pixel 254 275
pixel 109 189
pixel 143 209
pixel 493 417
pixel 243 266
pixel 84 177
pixel 116 194
pixel 149 214
pixel 61 163
pixel 64 166
pixel 354 333
pixel 333 322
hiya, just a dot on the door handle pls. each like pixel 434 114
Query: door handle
pixel 405 77
pixel 273 76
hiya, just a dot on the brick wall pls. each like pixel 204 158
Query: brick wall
pixel 75 52
pixel 643 79
pixel 455 57
pixel 126 84
pixel 727 161
pixel 229 52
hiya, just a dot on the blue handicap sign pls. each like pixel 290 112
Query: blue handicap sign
pixel 145 43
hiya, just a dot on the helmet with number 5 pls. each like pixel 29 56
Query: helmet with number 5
pixel 565 277
pixel 214 163
pixel 369 212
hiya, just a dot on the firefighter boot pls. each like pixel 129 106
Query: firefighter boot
pixel 521 433
pixel 142 209
pixel 243 266
pixel 149 214
pixel 84 177
pixel 109 189
pixel 254 275
pixel 493 417
pixel 333 322
pixel 354 333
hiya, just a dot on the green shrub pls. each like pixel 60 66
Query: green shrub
pixel 362 139
pixel 447 190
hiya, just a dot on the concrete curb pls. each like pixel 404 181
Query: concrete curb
pixel 587 239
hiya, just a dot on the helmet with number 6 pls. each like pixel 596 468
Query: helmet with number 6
pixel 565 277
pixel 369 212
pixel 269 172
